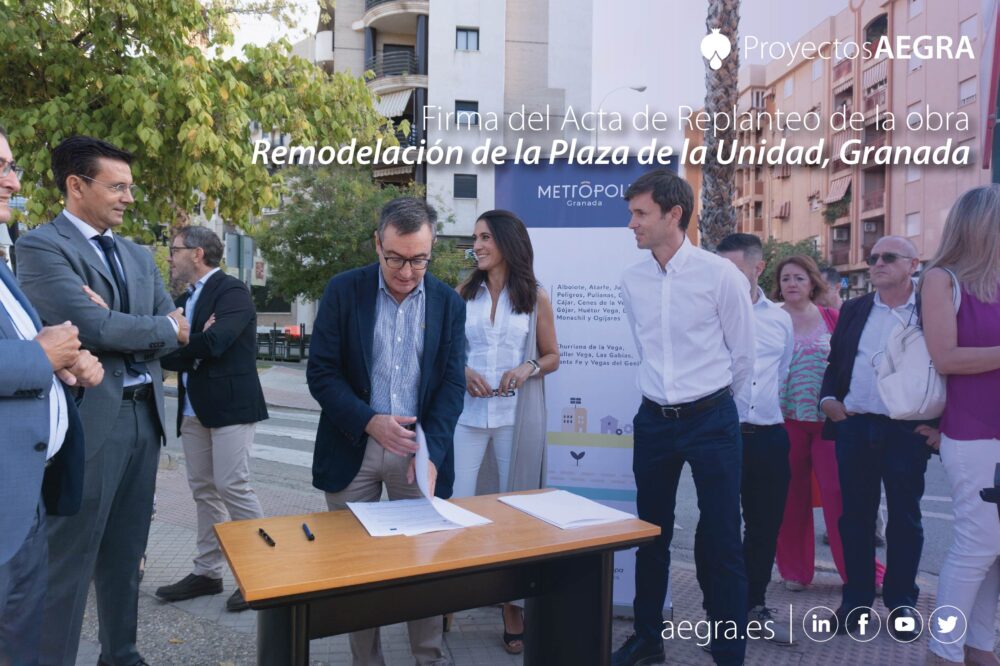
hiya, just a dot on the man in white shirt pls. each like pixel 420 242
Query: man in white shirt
pixel 691 316
pixel 873 448
pixel 765 441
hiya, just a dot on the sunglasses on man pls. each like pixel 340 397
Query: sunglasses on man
pixel 886 257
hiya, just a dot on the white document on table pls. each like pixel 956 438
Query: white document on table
pixel 413 516
pixel 564 509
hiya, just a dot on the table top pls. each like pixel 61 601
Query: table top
pixel 344 555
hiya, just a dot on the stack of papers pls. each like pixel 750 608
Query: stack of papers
pixel 415 516
pixel 564 509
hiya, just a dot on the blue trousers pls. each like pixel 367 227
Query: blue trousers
pixel 710 442
pixel 874 450
pixel 22 596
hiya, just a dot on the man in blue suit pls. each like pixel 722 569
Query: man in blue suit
pixel 41 456
pixel 388 351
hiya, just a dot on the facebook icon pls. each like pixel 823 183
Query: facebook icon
pixel 863 624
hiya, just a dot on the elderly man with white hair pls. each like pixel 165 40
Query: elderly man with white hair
pixel 874 449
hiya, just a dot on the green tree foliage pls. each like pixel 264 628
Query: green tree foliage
pixel 327 226
pixel 148 75
pixel 775 251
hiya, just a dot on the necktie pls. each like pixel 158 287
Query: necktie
pixel 107 243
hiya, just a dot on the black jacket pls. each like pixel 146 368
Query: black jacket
pixel 221 362
pixel 843 349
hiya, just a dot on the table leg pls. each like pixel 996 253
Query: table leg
pixel 570 621
pixel 282 636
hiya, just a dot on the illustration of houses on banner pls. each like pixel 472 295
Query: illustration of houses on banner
pixel 609 426
pixel 574 417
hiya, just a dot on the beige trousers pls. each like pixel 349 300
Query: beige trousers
pixel 218 469
pixel 381 466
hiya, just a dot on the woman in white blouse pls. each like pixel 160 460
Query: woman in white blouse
pixel 511 343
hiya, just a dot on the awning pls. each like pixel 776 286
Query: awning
pixel 875 75
pixel 393 104
pixel 838 188
pixel 392 171
pixel 784 210
pixel 843 85
pixel 837 142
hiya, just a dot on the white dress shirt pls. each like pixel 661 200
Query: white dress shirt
pixel 493 348
pixel 692 323
pixel 189 306
pixel 774 342
pixel 863 397
pixel 58 409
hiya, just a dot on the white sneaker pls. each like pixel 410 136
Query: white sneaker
pixel 771 629
pixel 794 586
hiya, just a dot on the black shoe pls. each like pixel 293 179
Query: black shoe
pixel 190 587
pixel 636 652
pixel 236 603
pixel 902 630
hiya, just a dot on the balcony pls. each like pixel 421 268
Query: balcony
pixel 394 72
pixel 840 256
pixel 395 16
pixel 872 200
pixel 842 69
pixel 877 97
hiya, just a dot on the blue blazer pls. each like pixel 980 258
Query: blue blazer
pixel 25 378
pixel 339 376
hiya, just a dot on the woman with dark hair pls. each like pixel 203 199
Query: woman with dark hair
pixel 510 344
pixel 799 285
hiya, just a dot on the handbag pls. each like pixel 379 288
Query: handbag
pixel 907 382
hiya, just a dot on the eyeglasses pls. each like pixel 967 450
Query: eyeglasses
pixel 886 257
pixel 118 188
pixel 174 249
pixel 396 263
pixel 6 166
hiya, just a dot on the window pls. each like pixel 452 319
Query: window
pixel 967 91
pixel 789 87
pixel 467 39
pixel 916 7
pixel 914 63
pixel 466 186
pixel 969 27
pixel 466 113
pixel 912 173
pixel 913 224
pixel 817 69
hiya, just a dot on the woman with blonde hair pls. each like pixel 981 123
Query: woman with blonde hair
pixel 965 346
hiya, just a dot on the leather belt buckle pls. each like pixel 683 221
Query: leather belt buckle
pixel 669 412
pixel 748 428
pixel 138 393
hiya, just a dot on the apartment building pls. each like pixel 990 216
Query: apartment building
pixel 462 60
pixel 846 208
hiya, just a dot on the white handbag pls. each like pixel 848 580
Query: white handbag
pixel 907 382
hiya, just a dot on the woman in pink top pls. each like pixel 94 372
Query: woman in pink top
pixel 799 285
pixel 965 346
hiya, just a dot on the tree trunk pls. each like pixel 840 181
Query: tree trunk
pixel 718 219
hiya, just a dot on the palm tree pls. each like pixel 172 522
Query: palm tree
pixel 718 219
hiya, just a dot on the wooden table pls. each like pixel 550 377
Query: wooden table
pixel 346 580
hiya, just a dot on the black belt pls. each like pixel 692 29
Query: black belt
pixel 138 392
pixel 751 428
pixel 685 409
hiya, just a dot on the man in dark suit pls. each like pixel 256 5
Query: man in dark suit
pixel 873 448
pixel 41 460
pixel 219 405
pixel 388 350
pixel 122 416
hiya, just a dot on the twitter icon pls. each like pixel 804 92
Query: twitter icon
pixel 947 625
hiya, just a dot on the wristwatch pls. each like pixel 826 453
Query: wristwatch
pixel 534 364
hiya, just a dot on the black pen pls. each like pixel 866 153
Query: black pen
pixel 309 535
pixel 266 537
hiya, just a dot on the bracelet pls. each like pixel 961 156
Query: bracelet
pixel 535 365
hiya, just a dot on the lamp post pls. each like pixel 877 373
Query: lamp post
pixel 640 88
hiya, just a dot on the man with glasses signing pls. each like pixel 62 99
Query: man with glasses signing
pixel 388 351
pixel 67 268
pixel 871 447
